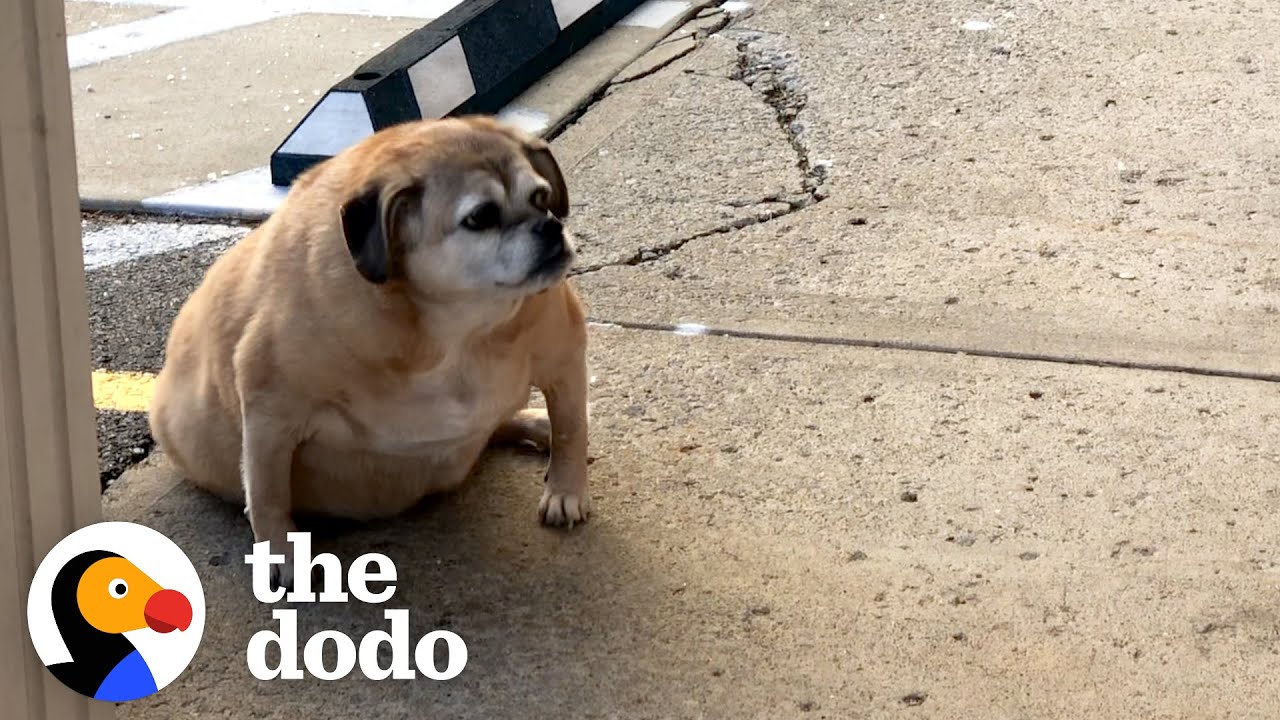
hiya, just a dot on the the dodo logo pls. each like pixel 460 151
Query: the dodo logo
pixel 115 611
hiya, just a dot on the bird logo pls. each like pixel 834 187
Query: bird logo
pixel 115 611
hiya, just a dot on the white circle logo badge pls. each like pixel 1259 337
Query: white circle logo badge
pixel 116 611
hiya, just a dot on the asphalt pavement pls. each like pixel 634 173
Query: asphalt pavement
pixel 132 303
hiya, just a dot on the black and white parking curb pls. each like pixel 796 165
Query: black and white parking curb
pixel 474 59
pixel 252 194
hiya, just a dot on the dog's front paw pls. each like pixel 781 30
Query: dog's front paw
pixel 559 509
pixel 282 575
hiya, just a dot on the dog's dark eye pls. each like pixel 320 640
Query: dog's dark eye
pixel 540 198
pixel 482 218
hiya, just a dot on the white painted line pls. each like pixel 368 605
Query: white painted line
pixel 976 26
pixel 154 3
pixel 569 10
pixel 442 80
pixel 339 121
pixel 245 193
pixel 115 41
pixel 655 13
pixel 527 119
pixel 197 18
pixel 424 9
pixel 430 9
pixel 121 243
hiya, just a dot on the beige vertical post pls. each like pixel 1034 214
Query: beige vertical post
pixel 48 457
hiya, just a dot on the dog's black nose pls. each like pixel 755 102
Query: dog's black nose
pixel 549 228
pixel 552 250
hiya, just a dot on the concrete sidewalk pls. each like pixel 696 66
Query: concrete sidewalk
pixel 784 528
pixel 791 523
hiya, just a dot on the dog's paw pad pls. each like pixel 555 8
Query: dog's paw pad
pixel 559 509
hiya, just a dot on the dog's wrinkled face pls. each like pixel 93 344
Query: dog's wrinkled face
pixel 462 207
pixel 501 232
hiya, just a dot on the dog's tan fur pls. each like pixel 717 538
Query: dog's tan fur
pixel 294 382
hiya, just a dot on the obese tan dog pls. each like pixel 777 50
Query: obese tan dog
pixel 362 347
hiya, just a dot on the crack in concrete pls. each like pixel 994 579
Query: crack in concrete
pixel 761 67
pixel 657 68
pixel 656 252
pixel 572 118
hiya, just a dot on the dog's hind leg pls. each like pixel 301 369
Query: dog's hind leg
pixel 530 425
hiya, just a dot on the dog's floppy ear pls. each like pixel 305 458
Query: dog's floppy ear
pixel 539 154
pixel 372 223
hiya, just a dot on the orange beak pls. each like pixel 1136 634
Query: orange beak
pixel 168 610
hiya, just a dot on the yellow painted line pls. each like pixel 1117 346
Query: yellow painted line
pixel 124 391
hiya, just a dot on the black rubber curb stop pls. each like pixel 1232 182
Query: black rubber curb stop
pixel 475 58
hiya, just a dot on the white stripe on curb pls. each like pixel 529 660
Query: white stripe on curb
pixel 441 81
pixel 248 194
pixel 655 14
pixel 527 119
pixel 569 10
pixel 339 121
pixel 451 73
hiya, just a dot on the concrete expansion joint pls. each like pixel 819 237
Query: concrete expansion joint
pixel 935 349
